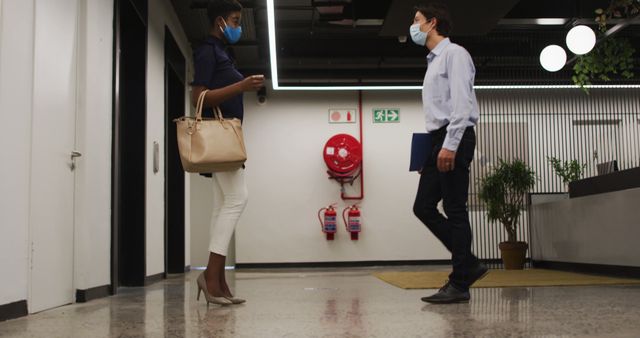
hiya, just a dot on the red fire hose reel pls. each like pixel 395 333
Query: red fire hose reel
pixel 343 156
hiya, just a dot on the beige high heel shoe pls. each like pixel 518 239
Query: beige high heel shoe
pixel 202 286
pixel 235 300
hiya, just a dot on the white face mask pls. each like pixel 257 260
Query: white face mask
pixel 418 36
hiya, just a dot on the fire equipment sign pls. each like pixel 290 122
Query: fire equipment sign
pixel 342 115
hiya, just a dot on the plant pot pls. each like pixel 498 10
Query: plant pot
pixel 513 254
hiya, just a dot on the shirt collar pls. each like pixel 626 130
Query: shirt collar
pixel 439 48
pixel 214 40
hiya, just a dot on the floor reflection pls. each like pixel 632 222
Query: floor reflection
pixel 299 304
pixel 175 303
pixel 215 321
pixel 489 307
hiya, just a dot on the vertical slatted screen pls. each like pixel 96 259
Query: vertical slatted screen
pixel 535 124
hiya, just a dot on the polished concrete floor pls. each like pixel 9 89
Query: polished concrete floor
pixel 338 303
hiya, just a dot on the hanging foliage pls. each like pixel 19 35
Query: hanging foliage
pixel 613 57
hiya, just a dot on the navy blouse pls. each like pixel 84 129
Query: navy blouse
pixel 214 69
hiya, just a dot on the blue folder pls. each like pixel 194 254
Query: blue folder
pixel 420 149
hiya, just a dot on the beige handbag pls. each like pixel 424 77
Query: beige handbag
pixel 209 145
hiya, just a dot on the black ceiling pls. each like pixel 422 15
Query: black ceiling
pixel 357 41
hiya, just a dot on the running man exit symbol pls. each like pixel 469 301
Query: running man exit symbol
pixel 388 115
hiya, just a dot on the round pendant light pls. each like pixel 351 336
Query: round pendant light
pixel 553 58
pixel 581 40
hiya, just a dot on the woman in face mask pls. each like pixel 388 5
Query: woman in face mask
pixel 215 71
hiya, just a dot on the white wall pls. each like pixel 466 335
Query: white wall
pixel 288 183
pixel 93 138
pixel 92 244
pixel 161 14
pixel 16 83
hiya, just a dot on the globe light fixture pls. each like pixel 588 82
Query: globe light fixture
pixel 581 40
pixel 553 58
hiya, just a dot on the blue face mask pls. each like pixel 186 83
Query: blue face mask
pixel 418 36
pixel 232 34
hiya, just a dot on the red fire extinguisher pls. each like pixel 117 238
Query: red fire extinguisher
pixel 329 225
pixel 353 221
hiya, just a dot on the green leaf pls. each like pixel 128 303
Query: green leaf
pixel 502 189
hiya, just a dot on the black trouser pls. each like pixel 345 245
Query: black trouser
pixel 452 188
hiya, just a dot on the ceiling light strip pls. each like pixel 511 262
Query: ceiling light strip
pixel 271 24
pixel 478 87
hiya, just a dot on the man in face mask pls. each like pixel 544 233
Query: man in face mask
pixel 451 112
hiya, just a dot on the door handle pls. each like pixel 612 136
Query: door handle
pixel 74 154
pixel 156 157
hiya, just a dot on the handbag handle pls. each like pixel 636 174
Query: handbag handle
pixel 218 113
pixel 200 106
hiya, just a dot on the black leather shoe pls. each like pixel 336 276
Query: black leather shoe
pixel 478 272
pixel 447 295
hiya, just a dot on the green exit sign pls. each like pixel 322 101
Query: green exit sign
pixel 386 115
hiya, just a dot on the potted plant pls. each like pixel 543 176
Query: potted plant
pixel 504 191
pixel 568 171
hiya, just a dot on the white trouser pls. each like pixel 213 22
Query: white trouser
pixel 229 199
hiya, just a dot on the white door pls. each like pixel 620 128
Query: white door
pixel 52 177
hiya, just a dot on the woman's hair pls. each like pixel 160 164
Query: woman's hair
pixel 440 11
pixel 222 8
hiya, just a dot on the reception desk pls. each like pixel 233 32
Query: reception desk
pixel 597 228
pixel 616 181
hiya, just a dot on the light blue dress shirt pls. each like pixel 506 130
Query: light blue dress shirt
pixel 447 92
